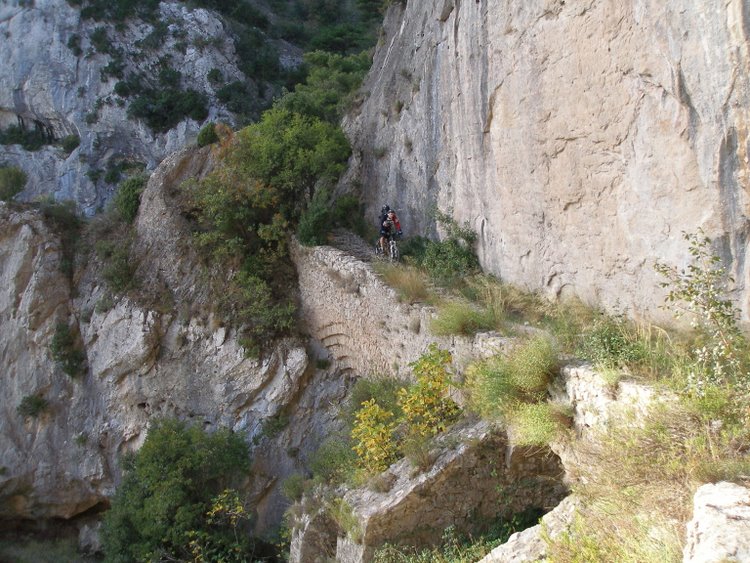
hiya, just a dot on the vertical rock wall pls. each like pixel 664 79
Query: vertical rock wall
pixel 578 138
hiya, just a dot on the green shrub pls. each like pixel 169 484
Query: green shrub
pixel 74 44
pixel 215 76
pixel 127 200
pixel 343 515
pixel 237 98
pixel 29 139
pixel 119 269
pixel 163 109
pixel 498 385
pixel 113 174
pixel 700 290
pixel 12 182
pixel 334 460
pixel 32 405
pixel 532 366
pixel 414 249
pixel 100 40
pixel 66 352
pixel 452 259
pixel 168 488
pixel 223 535
pixel 329 87
pixel 70 143
pixel 449 260
pixel 64 219
pixel 456 547
pixel 293 487
pixel 384 390
pixel 347 212
pixel 250 301
pixel 610 343
pixel 207 135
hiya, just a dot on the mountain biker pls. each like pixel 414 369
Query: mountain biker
pixel 389 224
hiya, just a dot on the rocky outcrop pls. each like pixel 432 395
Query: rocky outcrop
pixel 142 362
pixel 46 84
pixel 414 507
pixel 720 528
pixel 579 139
pixel 529 545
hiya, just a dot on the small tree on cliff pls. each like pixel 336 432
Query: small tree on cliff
pixel 170 485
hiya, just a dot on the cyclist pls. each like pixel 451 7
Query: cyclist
pixel 389 224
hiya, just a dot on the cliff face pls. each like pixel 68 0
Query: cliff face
pixel 579 139
pixel 46 84
pixel 143 361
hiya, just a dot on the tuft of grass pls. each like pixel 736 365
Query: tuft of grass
pixel 639 477
pixel 534 424
pixel 410 283
pixel 417 449
pixel 460 317
pixel 500 383
pixel 343 515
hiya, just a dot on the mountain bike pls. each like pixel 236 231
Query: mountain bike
pixel 393 252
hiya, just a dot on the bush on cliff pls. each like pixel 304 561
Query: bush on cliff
pixel 12 182
pixel 169 487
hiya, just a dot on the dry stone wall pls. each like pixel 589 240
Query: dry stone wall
pixel 578 138
pixel 479 479
pixel 359 320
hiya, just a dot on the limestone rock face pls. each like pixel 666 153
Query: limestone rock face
pixel 720 528
pixel 579 139
pixel 45 85
pixel 142 361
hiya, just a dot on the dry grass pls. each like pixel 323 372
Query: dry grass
pixel 460 317
pixel 637 480
pixel 410 283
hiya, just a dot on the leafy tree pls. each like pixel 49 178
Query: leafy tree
pixel 331 81
pixel 315 221
pixel 167 490
pixel 163 109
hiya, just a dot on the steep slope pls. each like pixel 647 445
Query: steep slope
pixel 579 139
pixel 141 361
pixel 64 75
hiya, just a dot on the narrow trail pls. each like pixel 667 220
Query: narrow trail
pixel 353 244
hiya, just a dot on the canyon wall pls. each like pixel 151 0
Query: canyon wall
pixel 578 138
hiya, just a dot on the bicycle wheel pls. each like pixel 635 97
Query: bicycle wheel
pixel 394 251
